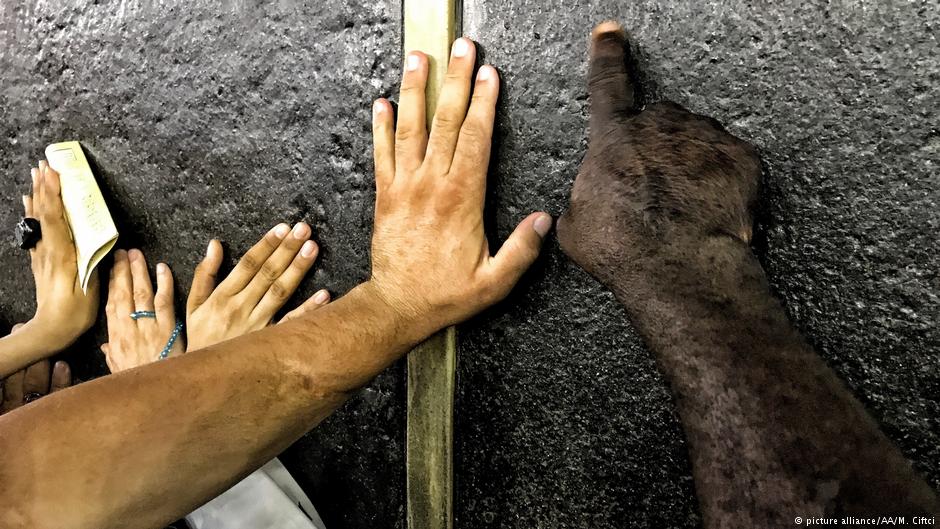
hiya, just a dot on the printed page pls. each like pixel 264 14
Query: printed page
pixel 93 229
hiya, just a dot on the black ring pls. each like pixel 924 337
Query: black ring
pixel 27 233
pixel 31 396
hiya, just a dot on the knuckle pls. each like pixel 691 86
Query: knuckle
pixel 410 87
pixel 473 131
pixel 269 272
pixel 405 133
pixel 447 120
pixel 250 262
pixel 141 294
pixel 456 77
pixel 278 291
pixel 162 301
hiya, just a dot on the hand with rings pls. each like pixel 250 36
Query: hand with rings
pixel 141 324
pixel 63 310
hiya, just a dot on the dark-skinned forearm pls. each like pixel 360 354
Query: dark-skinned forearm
pixel 773 433
pixel 105 452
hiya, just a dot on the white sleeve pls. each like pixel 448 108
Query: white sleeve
pixel 269 498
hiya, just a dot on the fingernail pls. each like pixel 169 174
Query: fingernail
pixel 42 165
pixel 308 249
pixel 280 231
pixel 542 225
pixel 413 62
pixel 161 268
pixel 608 26
pixel 485 73
pixel 321 297
pixel 461 47
pixel 133 254
pixel 301 230
pixel 377 107
pixel 209 249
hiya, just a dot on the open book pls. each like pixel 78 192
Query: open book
pixel 93 229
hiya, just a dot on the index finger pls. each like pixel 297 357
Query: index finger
pixel 250 263
pixel 36 379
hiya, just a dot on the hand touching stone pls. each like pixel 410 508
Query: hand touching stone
pixel 261 283
pixel 133 342
pixel 660 191
pixel 661 213
pixel 430 257
pixel 62 310
pixel 246 301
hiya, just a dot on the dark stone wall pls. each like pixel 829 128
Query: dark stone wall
pixel 207 122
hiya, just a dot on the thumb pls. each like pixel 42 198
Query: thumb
pixel 204 277
pixel 520 250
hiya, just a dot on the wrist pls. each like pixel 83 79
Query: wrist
pixel 51 333
pixel 719 276
pixel 413 324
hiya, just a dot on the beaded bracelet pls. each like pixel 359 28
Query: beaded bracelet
pixel 173 336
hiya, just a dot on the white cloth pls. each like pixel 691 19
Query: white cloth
pixel 267 499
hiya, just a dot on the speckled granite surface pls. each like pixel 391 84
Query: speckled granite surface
pixel 208 122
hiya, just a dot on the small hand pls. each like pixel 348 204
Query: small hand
pixel 259 285
pixel 431 260
pixel 137 342
pixel 63 311
pixel 31 383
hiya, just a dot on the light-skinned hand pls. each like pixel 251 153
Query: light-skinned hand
pixel 63 311
pixel 136 342
pixel 259 285
pixel 213 314
pixel 430 257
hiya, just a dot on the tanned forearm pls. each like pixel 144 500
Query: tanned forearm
pixel 773 433
pixel 146 446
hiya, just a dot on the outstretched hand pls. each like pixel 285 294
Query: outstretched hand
pixel 134 342
pixel 246 301
pixel 431 260
pixel 259 285
pixel 660 192
pixel 63 310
